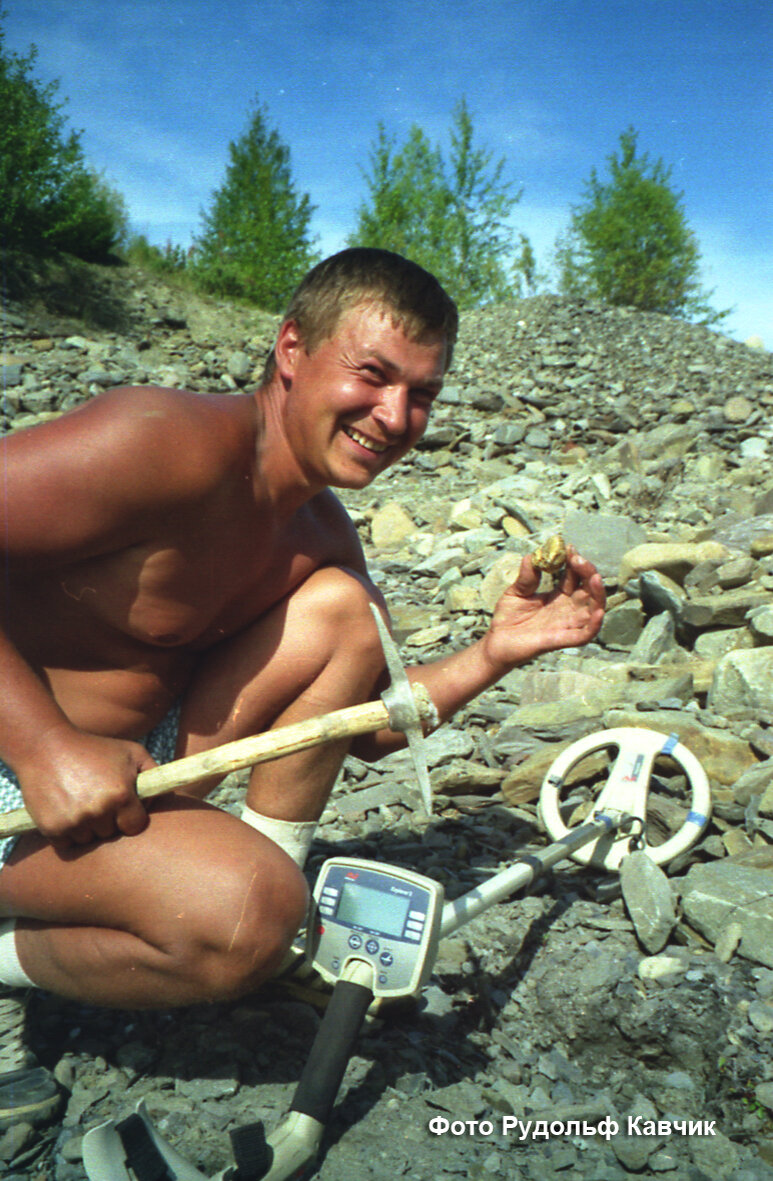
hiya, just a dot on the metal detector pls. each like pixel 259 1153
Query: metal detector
pixel 376 933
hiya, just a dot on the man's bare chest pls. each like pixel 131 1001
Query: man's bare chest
pixel 185 591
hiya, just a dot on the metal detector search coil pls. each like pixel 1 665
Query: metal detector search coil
pixel 626 791
pixel 385 916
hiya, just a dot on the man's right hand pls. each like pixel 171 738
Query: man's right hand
pixel 82 788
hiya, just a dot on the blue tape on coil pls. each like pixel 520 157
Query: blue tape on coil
pixel 669 744
pixel 696 818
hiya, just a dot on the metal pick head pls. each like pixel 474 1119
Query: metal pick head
pixel 403 711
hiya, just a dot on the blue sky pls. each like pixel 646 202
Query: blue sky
pixel 160 87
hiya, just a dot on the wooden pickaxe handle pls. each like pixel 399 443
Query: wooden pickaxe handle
pixel 247 752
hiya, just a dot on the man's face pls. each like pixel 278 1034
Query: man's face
pixel 359 401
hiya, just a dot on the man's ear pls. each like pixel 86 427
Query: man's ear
pixel 289 346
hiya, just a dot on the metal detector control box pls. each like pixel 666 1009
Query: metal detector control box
pixel 383 914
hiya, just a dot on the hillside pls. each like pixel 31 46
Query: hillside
pixel 649 443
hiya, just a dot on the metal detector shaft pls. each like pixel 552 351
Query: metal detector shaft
pixel 462 910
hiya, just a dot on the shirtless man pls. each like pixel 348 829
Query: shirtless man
pixel 169 551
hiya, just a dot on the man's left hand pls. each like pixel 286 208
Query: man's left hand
pixel 526 623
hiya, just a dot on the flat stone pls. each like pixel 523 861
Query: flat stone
pixel 603 538
pixel 463 596
pixel 735 573
pixel 761 624
pixel 10 375
pixel 716 644
pixel 656 641
pixel 761 1016
pixel 546 686
pixel 660 967
pixel 649 900
pixel 524 781
pixel 762 547
pixel 622 625
pixel 427 637
pixel 729 609
pixel 390 527
pixel 753 782
pixel 737 409
pixel 736 841
pixel 633 1152
pixel 735 889
pixel 675 559
pixel 743 680
pixel 728 941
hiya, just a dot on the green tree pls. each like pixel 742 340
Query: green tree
pixel 409 201
pixel 481 202
pixel 255 243
pixel 527 278
pixel 49 199
pixel 450 217
pixel 629 242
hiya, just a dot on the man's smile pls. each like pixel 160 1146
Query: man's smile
pixel 364 441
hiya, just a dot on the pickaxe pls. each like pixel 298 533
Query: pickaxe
pixel 402 707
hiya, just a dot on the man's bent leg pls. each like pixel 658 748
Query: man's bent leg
pixel 196 908
pixel 315 652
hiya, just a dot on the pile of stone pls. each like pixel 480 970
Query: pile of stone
pixel 596 1000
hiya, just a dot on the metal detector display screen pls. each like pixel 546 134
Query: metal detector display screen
pixel 375 909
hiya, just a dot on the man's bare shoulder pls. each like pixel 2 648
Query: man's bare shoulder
pixel 336 531
pixel 119 462
pixel 164 419
pixel 177 433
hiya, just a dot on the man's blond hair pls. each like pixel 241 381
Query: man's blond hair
pixel 366 276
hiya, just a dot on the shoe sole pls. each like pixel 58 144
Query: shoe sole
pixel 28 1096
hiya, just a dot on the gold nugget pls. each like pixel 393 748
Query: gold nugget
pixel 551 555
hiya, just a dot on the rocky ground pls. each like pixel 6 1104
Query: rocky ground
pixel 642 1003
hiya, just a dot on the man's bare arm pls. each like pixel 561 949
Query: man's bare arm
pixel 93 482
pixel 524 624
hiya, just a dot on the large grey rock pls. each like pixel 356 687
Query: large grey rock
pixel 649 899
pixel 743 680
pixel 10 375
pixel 735 889
pixel 729 609
pixel 603 538
pixel 716 644
pixel 240 366
pixel 753 782
pixel 656 641
pixel 622 625
pixel 761 624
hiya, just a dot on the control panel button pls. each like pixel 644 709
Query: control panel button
pixel 355 942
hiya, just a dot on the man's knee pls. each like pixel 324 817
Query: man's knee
pixel 243 933
pixel 339 600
